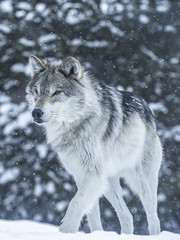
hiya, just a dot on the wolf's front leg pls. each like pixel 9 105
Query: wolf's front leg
pixel 88 193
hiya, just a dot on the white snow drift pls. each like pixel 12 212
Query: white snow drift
pixel 28 230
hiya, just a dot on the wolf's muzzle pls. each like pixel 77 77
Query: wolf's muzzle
pixel 37 113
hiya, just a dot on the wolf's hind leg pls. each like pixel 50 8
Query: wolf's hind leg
pixel 114 196
pixel 149 200
pixel 145 186
pixel 94 218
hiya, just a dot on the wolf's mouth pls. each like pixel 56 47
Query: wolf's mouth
pixel 39 121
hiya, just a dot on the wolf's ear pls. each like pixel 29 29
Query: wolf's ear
pixel 72 67
pixel 36 64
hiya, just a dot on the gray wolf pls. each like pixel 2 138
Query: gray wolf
pixel 100 135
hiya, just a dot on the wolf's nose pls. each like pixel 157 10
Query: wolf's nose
pixel 37 113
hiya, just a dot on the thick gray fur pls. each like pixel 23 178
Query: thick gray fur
pixel 100 135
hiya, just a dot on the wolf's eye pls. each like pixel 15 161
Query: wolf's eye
pixel 35 91
pixel 56 93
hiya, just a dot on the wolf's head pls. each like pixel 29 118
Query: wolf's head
pixel 56 90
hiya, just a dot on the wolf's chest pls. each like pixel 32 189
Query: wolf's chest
pixel 77 157
pixel 76 150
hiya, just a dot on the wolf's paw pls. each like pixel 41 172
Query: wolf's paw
pixel 66 228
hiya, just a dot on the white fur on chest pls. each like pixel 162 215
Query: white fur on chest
pixel 52 131
pixel 82 155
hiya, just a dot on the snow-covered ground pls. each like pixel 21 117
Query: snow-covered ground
pixel 28 230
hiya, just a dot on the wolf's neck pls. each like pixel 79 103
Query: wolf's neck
pixel 60 132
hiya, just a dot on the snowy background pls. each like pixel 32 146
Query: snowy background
pixel 130 44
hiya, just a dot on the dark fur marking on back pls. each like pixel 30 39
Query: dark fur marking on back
pixel 108 105
pixel 132 103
